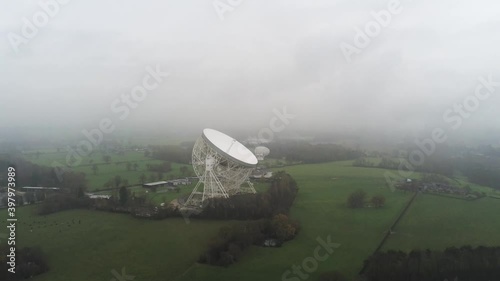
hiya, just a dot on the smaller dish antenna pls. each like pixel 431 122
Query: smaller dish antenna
pixel 261 152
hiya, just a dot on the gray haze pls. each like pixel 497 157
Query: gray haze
pixel 265 55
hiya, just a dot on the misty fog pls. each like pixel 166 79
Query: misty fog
pixel 232 69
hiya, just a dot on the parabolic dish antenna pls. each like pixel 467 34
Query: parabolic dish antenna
pixel 222 165
pixel 261 152
pixel 229 147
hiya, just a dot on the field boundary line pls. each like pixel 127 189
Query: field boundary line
pixel 186 271
pixel 393 226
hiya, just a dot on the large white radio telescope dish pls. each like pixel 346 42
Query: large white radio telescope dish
pixel 222 165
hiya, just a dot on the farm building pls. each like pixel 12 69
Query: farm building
pixel 33 188
pixel 22 198
pixel 171 184
pixel 98 196
pixel 176 182
pixel 34 194
pixel 154 185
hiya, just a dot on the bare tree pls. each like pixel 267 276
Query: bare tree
pixel 95 168
pixel 142 178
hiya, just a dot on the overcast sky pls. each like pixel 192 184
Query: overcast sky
pixel 231 68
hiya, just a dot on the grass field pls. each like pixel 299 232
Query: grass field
pixel 320 208
pixel 154 250
pixel 88 245
pixel 436 223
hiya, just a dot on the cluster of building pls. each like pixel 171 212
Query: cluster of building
pixel 433 187
pixel 443 188
pixel 36 194
pixel 170 184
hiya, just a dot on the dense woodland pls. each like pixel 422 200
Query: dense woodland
pixel 164 167
pixel 483 170
pixel 227 247
pixel 482 176
pixel 277 199
pixel 464 264
pixel 270 207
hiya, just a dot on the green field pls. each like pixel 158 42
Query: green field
pixel 156 250
pixel 436 223
pixel 320 208
pixel 105 172
pixel 96 243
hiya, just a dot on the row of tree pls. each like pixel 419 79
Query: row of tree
pixel 464 264
pixel 62 201
pixel 163 167
pixel 116 182
pixel 358 199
